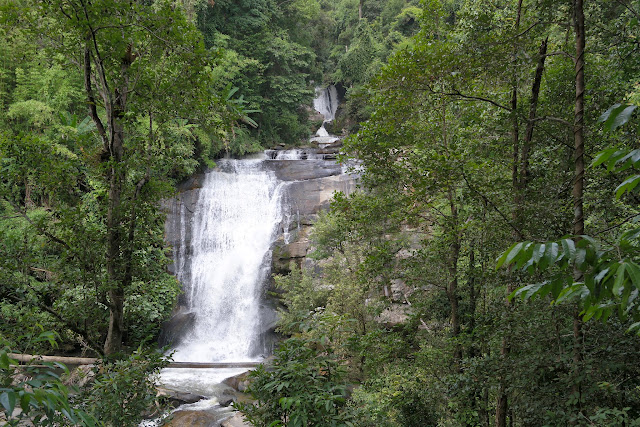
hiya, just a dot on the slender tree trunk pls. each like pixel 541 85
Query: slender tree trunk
pixel 473 298
pixel 533 107
pixel 578 183
pixel 112 137
pixel 578 126
pixel 360 6
pixel 116 265
pixel 454 251
pixel 502 403
pixel 115 291
pixel 452 289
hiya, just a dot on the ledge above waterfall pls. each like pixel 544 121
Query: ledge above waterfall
pixel 295 170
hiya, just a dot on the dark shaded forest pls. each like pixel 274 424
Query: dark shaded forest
pixel 486 273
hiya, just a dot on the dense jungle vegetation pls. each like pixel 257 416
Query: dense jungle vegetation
pixel 487 274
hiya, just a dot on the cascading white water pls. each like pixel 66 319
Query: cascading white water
pixel 326 103
pixel 294 154
pixel 225 266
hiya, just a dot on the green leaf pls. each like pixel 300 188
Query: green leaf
pixel 8 401
pixel 617 285
pixel 529 291
pixel 551 253
pixel 589 313
pixel 537 253
pixel 634 273
pixel 4 360
pixel 598 277
pixel 616 116
pixel 605 116
pixel 510 254
pixel 635 327
pixel 569 249
pixel 570 292
pixel 603 156
pixel 627 185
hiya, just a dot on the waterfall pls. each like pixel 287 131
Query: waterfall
pixel 326 103
pixel 224 266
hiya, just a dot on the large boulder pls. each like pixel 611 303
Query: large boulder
pixel 178 398
pixel 193 419
pixel 238 382
pixel 236 421
pixel 297 170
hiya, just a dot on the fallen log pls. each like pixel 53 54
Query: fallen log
pixel 27 358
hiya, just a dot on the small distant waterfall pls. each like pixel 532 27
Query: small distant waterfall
pixel 326 103
pixel 227 262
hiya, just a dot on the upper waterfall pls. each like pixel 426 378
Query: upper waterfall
pixel 326 103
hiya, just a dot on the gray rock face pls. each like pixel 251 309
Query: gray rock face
pixel 311 196
pixel 176 327
pixel 236 421
pixel 299 170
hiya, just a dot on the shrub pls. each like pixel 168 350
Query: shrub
pixel 303 387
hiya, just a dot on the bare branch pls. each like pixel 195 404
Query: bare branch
pixel 553 119
pixel 456 92
pixel 493 205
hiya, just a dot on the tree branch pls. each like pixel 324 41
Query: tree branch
pixel 624 221
pixel 456 92
pixel 486 199
pixel 553 119
pixel 93 111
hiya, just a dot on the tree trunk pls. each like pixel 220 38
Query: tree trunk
pixel 533 107
pixel 454 252
pixel 578 183
pixel 112 138
pixel 578 125
pixel 502 403
pixel 473 299
pixel 452 289
pixel 360 5
pixel 115 291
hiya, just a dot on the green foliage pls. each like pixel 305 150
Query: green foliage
pixel 301 298
pixel 458 156
pixel 124 390
pixel 267 64
pixel 357 65
pixel 148 306
pixel 35 394
pixel 303 386
pixel 609 273
pixel 81 225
